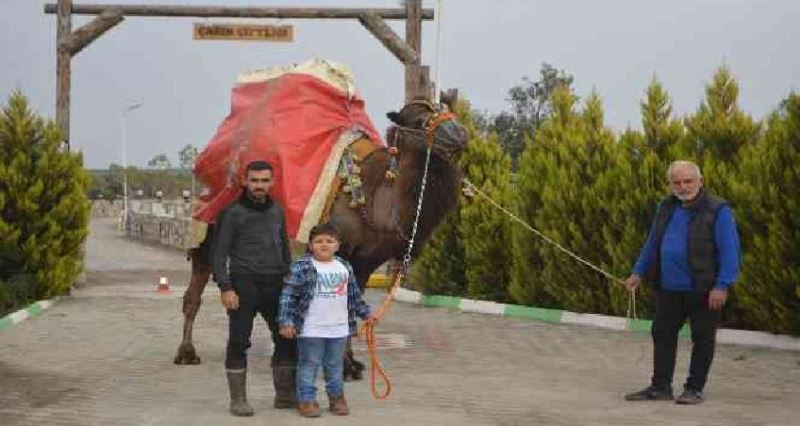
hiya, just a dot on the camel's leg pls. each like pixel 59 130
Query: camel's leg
pixel 201 271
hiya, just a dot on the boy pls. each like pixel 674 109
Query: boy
pixel 318 305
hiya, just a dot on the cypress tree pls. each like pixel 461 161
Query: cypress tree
pixel 485 231
pixel 768 294
pixel 634 184
pixel 536 166
pixel 556 195
pixel 574 213
pixel 44 212
pixel 624 194
pixel 439 268
pixel 718 130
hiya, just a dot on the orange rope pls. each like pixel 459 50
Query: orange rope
pixel 367 331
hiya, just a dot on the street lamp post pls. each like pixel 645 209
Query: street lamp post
pixel 125 112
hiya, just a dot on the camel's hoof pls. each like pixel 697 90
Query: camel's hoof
pixel 353 370
pixel 186 355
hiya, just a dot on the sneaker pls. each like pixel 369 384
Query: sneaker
pixel 690 397
pixel 651 393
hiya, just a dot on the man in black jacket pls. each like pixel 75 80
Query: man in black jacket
pixel 250 256
pixel 691 258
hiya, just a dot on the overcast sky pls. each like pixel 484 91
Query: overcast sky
pixel 613 46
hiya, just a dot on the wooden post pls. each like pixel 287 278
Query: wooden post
pixel 418 82
pixel 417 77
pixel 63 69
pixel 414 25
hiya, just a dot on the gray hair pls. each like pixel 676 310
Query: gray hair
pixel 680 163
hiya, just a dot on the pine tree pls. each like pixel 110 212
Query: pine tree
pixel 44 211
pixel 485 230
pixel 768 294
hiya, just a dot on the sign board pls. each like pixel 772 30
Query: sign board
pixel 280 33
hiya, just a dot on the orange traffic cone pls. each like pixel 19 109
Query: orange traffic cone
pixel 163 285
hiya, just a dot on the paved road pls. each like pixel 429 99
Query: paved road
pixel 104 357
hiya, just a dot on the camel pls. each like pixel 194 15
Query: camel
pixel 378 231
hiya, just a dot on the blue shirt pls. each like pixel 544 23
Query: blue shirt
pixel 676 274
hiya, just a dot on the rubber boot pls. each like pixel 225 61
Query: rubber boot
pixel 284 378
pixel 237 382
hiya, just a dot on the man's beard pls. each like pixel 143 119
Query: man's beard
pixel 258 195
pixel 689 196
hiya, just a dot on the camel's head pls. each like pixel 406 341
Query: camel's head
pixel 421 123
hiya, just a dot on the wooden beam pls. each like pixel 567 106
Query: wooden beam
pixel 239 12
pixel 388 38
pixel 63 70
pixel 80 38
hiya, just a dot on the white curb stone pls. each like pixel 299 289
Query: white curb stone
pixel 26 312
pixel 729 336
pixel 595 320
pixel 19 316
pixel 757 338
pixel 482 307
pixel 45 304
pixel 409 296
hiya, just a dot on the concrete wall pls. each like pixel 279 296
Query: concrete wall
pixel 166 222
pixel 106 208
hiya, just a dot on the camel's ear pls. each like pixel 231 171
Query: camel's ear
pixel 394 116
pixel 449 98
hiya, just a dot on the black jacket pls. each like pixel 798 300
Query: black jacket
pixel 250 240
pixel 703 258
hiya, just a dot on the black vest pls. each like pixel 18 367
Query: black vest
pixel 703 254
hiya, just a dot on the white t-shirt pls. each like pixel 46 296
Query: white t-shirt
pixel 327 313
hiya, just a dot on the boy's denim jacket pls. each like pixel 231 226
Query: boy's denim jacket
pixel 298 291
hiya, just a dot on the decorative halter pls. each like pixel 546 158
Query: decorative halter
pixel 432 123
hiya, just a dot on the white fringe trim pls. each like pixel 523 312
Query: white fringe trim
pixel 313 211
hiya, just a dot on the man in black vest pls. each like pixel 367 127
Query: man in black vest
pixel 250 256
pixel 691 258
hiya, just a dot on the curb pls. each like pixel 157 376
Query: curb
pixel 724 335
pixel 31 310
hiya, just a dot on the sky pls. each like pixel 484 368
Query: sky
pixel 615 47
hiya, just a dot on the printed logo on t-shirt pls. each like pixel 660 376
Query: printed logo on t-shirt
pixel 331 284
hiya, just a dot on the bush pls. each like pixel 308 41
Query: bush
pixel 44 213
pixel 17 292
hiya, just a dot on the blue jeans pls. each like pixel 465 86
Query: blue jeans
pixel 316 351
